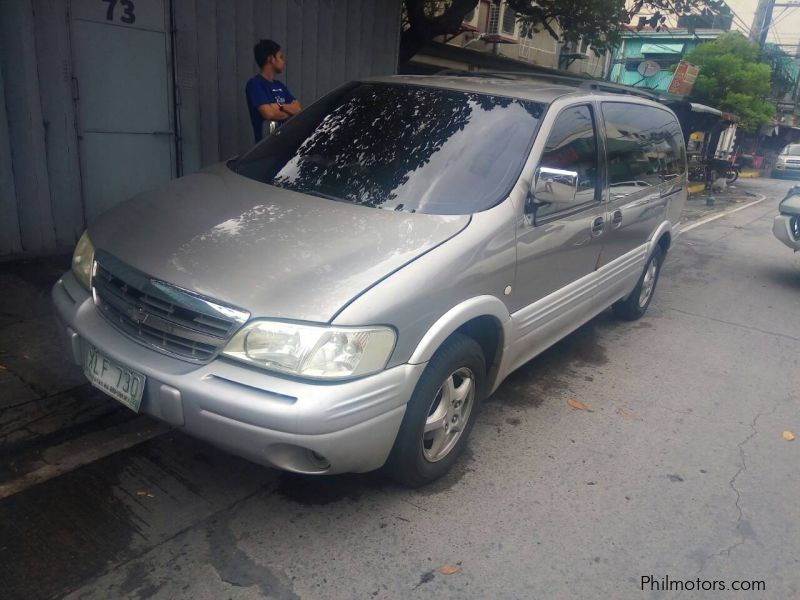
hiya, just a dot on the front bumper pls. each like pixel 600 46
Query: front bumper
pixel 781 228
pixel 292 425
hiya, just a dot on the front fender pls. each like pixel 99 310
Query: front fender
pixel 457 316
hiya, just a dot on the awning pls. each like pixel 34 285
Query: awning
pixel 702 108
pixel 661 48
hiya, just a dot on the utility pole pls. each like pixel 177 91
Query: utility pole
pixel 761 22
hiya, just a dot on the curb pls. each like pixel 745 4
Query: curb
pixel 699 188
pixel 719 215
pixel 750 174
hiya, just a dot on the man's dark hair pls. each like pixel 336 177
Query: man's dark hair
pixel 263 50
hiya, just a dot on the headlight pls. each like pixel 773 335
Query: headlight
pixel 82 260
pixel 312 351
pixel 794 226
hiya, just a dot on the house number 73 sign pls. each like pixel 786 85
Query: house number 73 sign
pixel 125 13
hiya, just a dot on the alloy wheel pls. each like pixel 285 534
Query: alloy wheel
pixel 449 414
pixel 648 283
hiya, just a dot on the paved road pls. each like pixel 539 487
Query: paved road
pixel 679 471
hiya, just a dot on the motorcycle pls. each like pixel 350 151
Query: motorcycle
pixel 711 170
pixel 732 173
pixel 717 167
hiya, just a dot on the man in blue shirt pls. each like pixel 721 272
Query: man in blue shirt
pixel 267 98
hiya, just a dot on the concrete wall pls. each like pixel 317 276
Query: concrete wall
pixel 327 42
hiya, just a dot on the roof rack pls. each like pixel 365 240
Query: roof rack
pixel 616 88
pixel 572 79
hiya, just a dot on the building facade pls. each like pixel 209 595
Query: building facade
pixel 664 48
pixel 493 29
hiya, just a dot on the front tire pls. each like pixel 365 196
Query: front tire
pixel 440 414
pixel 635 304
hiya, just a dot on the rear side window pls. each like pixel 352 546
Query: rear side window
pixel 645 147
pixel 572 146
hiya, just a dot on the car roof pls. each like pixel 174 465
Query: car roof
pixel 537 87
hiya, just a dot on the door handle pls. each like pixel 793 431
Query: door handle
pixel 616 219
pixel 598 226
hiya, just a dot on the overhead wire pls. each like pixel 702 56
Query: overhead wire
pixel 776 20
pixel 741 23
pixel 781 15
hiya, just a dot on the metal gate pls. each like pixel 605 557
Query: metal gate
pixel 122 65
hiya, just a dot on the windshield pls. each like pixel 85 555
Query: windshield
pixel 793 150
pixel 401 147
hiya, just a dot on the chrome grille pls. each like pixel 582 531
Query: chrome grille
pixel 162 316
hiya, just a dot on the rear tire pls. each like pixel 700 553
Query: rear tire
pixel 635 304
pixel 440 414
pixel 732 175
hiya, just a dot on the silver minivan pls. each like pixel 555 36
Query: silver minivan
pixel 343 296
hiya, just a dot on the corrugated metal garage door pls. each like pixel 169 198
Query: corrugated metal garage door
pixel 121 61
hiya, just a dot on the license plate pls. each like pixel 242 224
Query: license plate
pixel 117 381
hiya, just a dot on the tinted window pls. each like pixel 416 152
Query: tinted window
pixel 572 146
pixel 645 147
pixel 399 147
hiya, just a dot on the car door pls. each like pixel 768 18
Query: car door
pixel 642 152
pixel 558 246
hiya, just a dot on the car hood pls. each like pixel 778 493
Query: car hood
pixel 274 252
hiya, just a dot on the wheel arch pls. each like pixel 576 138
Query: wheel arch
pixel 661 237
pixel 484 319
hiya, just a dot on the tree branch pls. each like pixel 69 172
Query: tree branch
pixel 423 28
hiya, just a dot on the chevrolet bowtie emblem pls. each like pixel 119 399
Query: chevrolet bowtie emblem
pixel 137 315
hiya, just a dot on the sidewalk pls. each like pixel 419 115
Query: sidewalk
pixel 698 187
pixel 700 205
pixel 44 399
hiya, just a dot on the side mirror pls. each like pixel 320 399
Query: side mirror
pixel 555 186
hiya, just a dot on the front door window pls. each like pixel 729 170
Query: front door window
pixel 572 146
